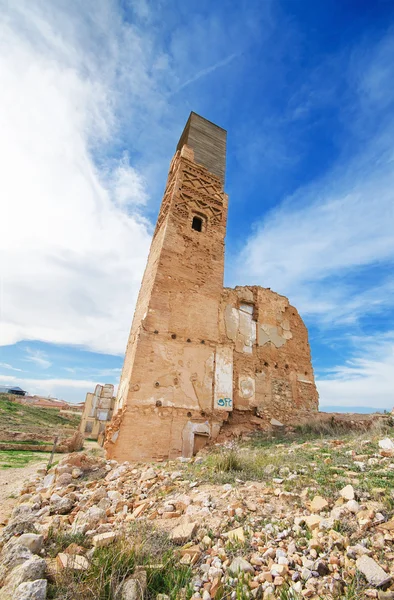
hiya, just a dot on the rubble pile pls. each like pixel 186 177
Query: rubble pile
pixel 241 540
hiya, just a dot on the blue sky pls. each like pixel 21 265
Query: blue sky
pixel 94 98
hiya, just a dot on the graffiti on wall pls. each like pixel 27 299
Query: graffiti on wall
pixel 225 402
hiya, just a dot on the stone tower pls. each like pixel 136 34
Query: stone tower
pixel 167 378
pixel 201 357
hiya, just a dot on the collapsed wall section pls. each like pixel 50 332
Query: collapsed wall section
pixel 272 369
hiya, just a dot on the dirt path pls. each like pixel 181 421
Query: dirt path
pixel 10 483
pixel 12 479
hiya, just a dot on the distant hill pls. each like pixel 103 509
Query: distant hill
pixel 353 409
pixel 20 417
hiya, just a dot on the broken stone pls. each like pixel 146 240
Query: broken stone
pixel 149 474
pixel 318 504
pixel 31 541
pixel 239 564
pixel 72 561
pixel 139 510
pixel 32 590
pixel 353 506
pixel 104 539
pixel 347 492
pixel 60 505
pixel 312 521
pixel 183 533
pixel 235 535
pixel 64 479
pixel 372 572
pixel 134 587
pixel 386 444
pixel 30 570
pixel 276 423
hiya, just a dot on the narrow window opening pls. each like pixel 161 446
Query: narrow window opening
pixel 197 224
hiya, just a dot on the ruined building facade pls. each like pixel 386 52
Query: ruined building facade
pixel 201 356
pixel 97 411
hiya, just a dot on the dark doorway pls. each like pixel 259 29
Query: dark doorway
pixel 200 440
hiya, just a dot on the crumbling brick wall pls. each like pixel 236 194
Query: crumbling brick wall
pixel 272 368
pixel 198 352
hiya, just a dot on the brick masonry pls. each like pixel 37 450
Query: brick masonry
pixel 199 353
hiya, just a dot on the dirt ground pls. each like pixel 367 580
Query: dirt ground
pixel 10 483
pixel 12 479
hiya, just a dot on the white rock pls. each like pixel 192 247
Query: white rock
pixel 148 475
pixel 183 533
pixel 347 492
pixel 31 541
pixel 32 590
pixel 353 506
pixel 372 572
pixel 386 444
pixel 240 564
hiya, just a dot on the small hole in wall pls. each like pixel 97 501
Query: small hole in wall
pixel 159 403
pixel 305 372
pixel 202 413
pixel 189 414
pixel 197 224
pixel 266 364
pixel 173 335
pixel 188 340
pixel 276 365
pixel 155 331
pixel 286 366
pixel 157 384
pixel 202 341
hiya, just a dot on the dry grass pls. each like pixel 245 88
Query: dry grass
pixel 142 547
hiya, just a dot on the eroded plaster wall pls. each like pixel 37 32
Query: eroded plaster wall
pixel 97 411
pixel 170 359
pixel 272 370
pixel 199 355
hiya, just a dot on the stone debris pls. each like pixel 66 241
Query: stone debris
pixel 183 533
pixel 235 534
pixel 248 531
pixel 318 504
pixel 31 541
pixel 372 572
pixel 347 492
pixel 386 444
pixel 104 539
pixel 239 564
pixel 72 561
pixel 133 588
pixel 32 590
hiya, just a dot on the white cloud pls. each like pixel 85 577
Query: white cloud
pixel 79 85
pixel 38 357
pixel 327 245
pixel 366 379
pixel 75 245
pixel 8 367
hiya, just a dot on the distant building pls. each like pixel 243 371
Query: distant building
pixel 97 411
pixel 16 391
pixel 79 407
pixel 43 402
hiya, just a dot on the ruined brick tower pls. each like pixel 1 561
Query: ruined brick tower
pixel 196 351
